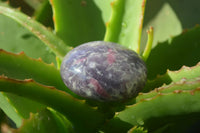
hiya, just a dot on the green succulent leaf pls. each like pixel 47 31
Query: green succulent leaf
pixel 44 14
pixel 105 7
pixel 77 21
pixel 125 25
pixel 22 106
pixel 176 87
pixel 16 38
pixel 20 66
pixel 46 121
pixel 46 36
pixel 174 53
pixel 169 18
pixel 171 103
pixel 148 47
pixel 10 110
pixel 173 76
pixel 18 108
pixel 80 114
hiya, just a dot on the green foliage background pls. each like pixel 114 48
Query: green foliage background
pixel 33 97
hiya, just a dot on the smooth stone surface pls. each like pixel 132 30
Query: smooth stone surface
pixel 103 71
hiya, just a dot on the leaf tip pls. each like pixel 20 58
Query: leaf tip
pixel 150 30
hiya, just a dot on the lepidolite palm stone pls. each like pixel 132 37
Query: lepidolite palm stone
pixel 104 71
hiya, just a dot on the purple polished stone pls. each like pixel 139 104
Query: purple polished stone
pixel 104 71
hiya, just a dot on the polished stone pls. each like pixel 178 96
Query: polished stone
pixel 104 71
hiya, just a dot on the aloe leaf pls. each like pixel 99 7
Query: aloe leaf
pixel 173 76
pixel 174 53
pixel 46 121
pixel 170 18
pixel 16 39
pixel 18 108
pixel 174 104
pixel 148 47
pixel 182 85
pixel 170 104
pixel 44 14
pixel 77 21
pixel 80 114
pixel 105 7
pixel 20 66
pixel 23 106
pixel 46 36
pixel 9 110
pixel 23 40
pixel 125 25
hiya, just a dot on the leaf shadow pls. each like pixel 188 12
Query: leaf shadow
pixel 186 11
pixel 174 53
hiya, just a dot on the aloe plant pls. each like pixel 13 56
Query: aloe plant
pixel 35 39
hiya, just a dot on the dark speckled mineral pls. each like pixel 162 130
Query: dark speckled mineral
pixel 103 71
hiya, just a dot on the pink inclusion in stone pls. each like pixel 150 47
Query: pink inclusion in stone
pixel 111 56
pixel 98 88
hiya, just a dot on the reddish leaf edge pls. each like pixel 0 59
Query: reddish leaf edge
pixel 47 77
pixel 23 54
pixel 56 44
pixel 79 114
pixel 172 76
